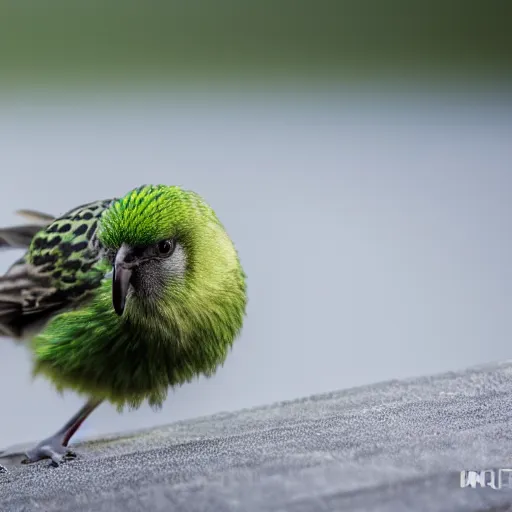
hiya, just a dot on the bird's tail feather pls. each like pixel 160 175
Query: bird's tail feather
pixel 19 237
pixel 43 219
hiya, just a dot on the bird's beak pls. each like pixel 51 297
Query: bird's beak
pixel 122 274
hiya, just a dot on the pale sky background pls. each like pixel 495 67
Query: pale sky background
pixel 375 232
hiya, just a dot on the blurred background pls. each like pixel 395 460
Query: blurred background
pixel 359 153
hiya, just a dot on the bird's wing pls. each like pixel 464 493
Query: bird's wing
pixel 19 237
pixel 58 269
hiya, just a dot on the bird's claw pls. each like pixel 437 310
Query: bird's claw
pixel 57 459
pixel 49 449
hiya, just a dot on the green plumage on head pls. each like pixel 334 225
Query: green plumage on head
pixel 178 289
pixel 151 213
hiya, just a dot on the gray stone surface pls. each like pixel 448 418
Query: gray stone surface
pixel 395 446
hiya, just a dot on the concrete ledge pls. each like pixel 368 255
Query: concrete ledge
pixel 395 446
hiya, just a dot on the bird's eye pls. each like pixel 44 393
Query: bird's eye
pixel 165 247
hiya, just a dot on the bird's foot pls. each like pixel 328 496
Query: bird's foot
pixel 51 448
pixel 3 469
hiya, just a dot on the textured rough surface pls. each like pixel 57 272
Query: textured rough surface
pixel 395 446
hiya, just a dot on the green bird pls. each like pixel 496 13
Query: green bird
pixel 123 299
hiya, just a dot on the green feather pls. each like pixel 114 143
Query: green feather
pixel 152 213
pixel 63 255
pixel 156 344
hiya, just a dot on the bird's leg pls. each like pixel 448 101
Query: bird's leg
pixel 55 446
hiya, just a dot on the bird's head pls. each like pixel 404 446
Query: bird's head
pixel 154 237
